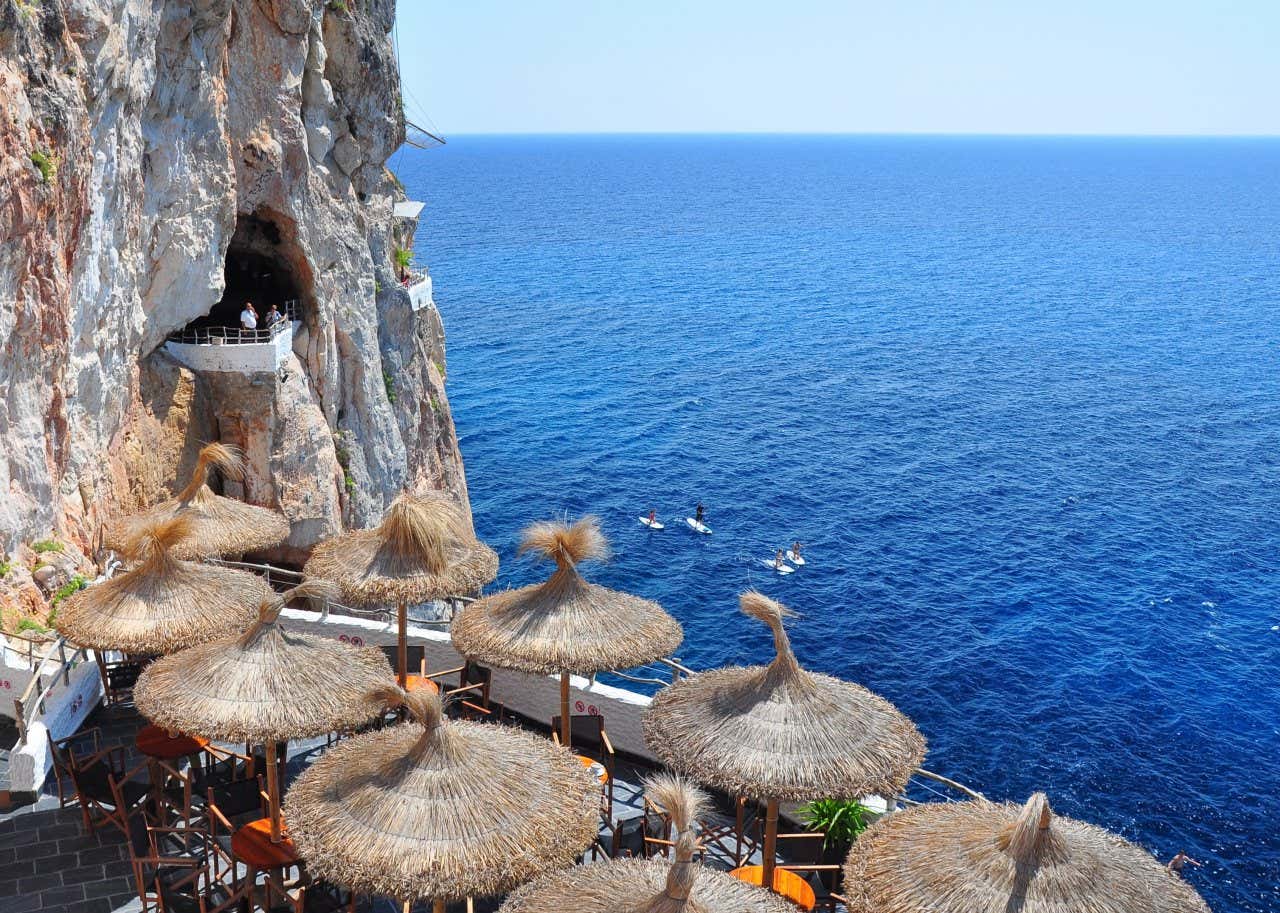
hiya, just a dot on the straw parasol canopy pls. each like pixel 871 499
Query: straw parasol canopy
pixel 650 885
pixel 441 809
pixel 781 732
pixel 565 625
pixel 220 526
pixel 267 684
pixel 162 603
pixel 423 549
pixel 983 857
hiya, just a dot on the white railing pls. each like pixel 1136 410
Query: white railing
pixel 35 697
pixel 235 336
pixel 933 786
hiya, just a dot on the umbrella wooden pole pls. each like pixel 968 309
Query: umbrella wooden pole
pixel 402 646
pixel 273 790
pixel 566 727
pixel 770 843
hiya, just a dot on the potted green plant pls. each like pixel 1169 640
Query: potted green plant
pixel 403 259
pixel 841 820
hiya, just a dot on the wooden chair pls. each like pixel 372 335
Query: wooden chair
pixel 228 808
pixel 61 750
pixel 309 897
pixel 643 836
pixel 219 766
pixel 200 895
pixel 736 840
pixel 471 692
pixel 591 739
pixel 152 865
pixel 107 792
pixel 804 855
pixel 181 797
pixel 118 678
pixel 415 658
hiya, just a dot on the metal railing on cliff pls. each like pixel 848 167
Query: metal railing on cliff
pixel 237 336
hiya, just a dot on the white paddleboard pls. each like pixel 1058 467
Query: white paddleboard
pixel 697 527
pixel 795 559
pixel 781 569
pixel 652 524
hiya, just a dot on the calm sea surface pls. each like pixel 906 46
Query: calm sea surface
pixel 1019 397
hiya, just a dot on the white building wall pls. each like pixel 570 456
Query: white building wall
pixel 420 294
pixel 245 358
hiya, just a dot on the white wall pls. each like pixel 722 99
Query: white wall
pixel 420 294
pixel 248 358
pixel 534 696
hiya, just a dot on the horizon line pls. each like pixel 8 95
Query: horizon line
pixel 868 133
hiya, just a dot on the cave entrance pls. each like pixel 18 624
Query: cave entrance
pixel 264 265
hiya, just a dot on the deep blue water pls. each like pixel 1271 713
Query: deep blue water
pixel 1019 396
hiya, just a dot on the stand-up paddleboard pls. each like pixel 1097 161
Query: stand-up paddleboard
pixel 783 569
pixel 652 524
pixel 697 527
pixel 795 559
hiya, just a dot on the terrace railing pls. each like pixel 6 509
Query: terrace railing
pixel 234 336
pixel 52 671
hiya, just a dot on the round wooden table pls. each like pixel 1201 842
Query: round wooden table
pixel 594 766
pixel 252 845
pixel 788 884
pixel 158 745
pixel 419 681
pixel 155 742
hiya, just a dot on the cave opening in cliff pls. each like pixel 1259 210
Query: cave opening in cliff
pixel 264 265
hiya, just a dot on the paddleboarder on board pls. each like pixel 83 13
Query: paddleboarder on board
pixel 653 517
pixel 777 560
pixel 700 513
pixel 795 548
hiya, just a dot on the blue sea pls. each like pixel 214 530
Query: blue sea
pixel 1020 399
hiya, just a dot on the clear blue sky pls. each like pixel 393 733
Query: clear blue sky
pixel 950 66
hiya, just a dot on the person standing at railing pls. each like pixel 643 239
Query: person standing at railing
pixel 273 317
pixel 248 317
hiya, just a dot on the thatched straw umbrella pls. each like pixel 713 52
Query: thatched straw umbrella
pixel 220 526
pixel 441 809
pixel 267 686
pixel 162 603
pixel 565 625
pixel 778 732
pixel 650 885
pixel 983 857
pixel 422 550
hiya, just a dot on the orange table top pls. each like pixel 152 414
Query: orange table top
pixel 419 681
pixel 156 743
pixel 788 884
pixel 594 766
pixel 252 845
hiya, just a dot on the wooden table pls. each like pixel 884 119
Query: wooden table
pixel 252 845
pixel 155 742
pixel 419 681
pixel 158 745
pixel 591 764
pixel 788 884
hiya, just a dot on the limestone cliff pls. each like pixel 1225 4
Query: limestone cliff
pixel 148 149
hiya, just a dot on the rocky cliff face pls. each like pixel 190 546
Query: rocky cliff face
pixel 146 147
